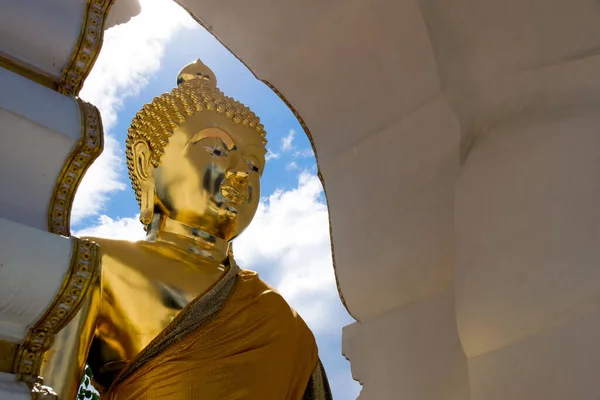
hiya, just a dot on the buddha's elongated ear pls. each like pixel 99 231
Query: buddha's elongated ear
pixel 142 167
pixel 141 160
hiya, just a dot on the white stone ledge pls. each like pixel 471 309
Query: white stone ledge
pixel 39 104
pixel 42 34
pixel 556 364
pixel 33 265
pixel 39 128
pixel 10 389
pixel 409 353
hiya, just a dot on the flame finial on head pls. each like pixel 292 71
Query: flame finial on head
pixel 197 70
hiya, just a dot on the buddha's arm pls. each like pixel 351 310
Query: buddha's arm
pixel 64 363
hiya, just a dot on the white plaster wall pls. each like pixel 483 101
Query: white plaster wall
pixel 527 283
pixel 33 264
pixel 397 217
pixel 409 353
pixel 559 363
pixel 497 58
pixel 391 209
pixel 39 128
pixel 527 225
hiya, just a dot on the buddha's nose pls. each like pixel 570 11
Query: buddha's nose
pixel 236 177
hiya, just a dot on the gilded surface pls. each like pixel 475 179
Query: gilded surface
pixel 156 122
pixel 87 149
pixel 81 276
pixel 195 158
pixel 8 354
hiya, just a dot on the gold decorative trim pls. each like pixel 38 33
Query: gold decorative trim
pixel 87 149
pixel 83 270
pixel 87 48
pixel 28 72
pixel 8 352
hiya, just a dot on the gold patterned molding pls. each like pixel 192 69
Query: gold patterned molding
pixel 87 48
pixel 87 149
pixel 83 270
pixel 82 59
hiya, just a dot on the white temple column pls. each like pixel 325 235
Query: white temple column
pixel 40 129
pixel 49 138
pixel 397 223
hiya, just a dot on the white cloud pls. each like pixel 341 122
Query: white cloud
pixel 286 142
pixel 131 54
pixel 120 228
pixel 291 166
pixel 306 153
pixel 271 155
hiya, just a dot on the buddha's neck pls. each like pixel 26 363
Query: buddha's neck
pixel 188 238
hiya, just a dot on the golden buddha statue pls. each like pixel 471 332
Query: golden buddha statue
pixel 174 317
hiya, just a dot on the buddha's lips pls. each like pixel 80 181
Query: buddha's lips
pixel 234 195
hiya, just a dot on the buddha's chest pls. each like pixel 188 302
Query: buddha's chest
pixel 134 312
pixel 136 307
pixel 132 315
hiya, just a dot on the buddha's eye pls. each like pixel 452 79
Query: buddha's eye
pixel 216 151
pixel 252 166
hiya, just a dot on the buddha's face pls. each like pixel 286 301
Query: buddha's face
pixel 210 179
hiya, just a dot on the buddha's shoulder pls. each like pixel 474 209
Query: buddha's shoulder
pixel 114 252
pixel 112 245
pixel 251 282
pixel 261 295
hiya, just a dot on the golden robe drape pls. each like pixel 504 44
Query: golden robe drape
pixel 249 345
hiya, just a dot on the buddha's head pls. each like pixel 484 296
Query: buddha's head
pixel 196 156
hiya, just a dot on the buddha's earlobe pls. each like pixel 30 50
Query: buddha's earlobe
pixel 147 203
pixel 143 167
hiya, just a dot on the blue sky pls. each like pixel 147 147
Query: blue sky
pixel 288 242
